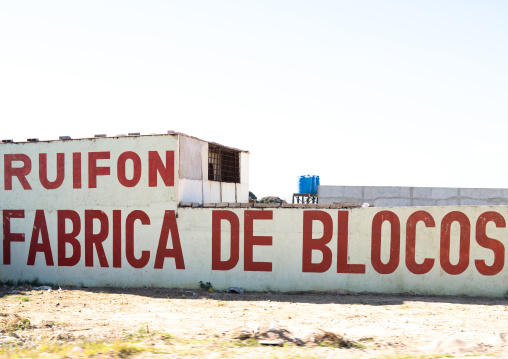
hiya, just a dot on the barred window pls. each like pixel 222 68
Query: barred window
pixel 223 164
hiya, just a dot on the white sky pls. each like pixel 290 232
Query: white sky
pixel 358 92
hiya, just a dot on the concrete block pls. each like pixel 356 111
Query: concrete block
pixel 311 205
pixel 195 204
pixel 222 205
pixel 384 196
pixel 298 205
pixel 266 205
pixel 425 202
pixel 392 202
pixel 444 193
pixel 446 202
pixel 340 191
pixel 475 202
pixel 234 205
pixel 421 192
pixel 481 193
pixel 345 205
pixel 373 193
pixel 330 200
pixel 246 205
pixel 185 204
pixel 324 205
pixel 209 205
pixel 327 200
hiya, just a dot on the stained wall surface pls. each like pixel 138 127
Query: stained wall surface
pixel 430 250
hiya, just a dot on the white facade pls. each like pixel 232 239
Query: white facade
pixel 104 212
pixel 194 185
pixel 424 250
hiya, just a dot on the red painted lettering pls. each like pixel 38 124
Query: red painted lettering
pixel 234 222
pixel 342 246
pixel 43 171
pixel 250 241
pixel 412 221
pixel 316 244
pixel 465 233
pixel 490 243
pixel 95 239
pixel 94 171
pixel 65 238
pixel 19 172
pixel 155 165
pixel 169 224
pixel 76 170
pixel 8 236
pixel 129 239
pixel 117 239
pixel 393 261
pixel 40 229
pixel 136 162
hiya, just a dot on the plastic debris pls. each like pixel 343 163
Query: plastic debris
pixel 238 290
pixel 278 342
pixel 43 287
pixel 274 326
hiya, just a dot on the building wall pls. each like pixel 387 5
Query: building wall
pixel 103 212
pixel 216 192
pixel 381 196
pixel 193 155
pixel 193 183
pixel 426 250
pixel 243 188
pixel 76 189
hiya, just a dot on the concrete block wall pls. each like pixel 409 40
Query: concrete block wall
pixel 384 196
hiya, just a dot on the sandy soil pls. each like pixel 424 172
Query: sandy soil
pixel 378 324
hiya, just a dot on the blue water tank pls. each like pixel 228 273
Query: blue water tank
pixel 305 184
pixel 315 184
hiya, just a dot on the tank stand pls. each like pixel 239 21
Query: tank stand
pixel 305 198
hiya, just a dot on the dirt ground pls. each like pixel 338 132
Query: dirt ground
pixel 66 322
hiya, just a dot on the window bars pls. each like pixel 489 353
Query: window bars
pixel 223 164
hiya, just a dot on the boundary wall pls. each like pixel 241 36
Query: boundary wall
pixel 384 196
pixel 428 250
pixel 104 212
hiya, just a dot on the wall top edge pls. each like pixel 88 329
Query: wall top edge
pixel 268 205
pixel 102 137
pixel 309 205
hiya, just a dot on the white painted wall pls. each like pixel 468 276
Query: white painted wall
pixel 286 235
pixel 144 222
pixel 193 176
pixel 216 192
pixel 109 192
pixel 109 196
pixel 243 187
pixel 286 230
pixel 193 155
